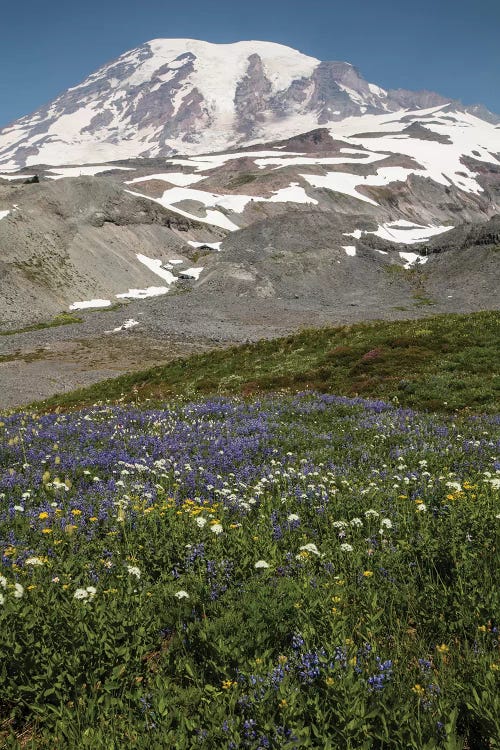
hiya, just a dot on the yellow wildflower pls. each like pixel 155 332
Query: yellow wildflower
pixel 46 531
pixel 43 516
pixel 368 573
pixel 442 649
pixel 228 684
pixel 418 690
pixel 329 681
pixel 76 512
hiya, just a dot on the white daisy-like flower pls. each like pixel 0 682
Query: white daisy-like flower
pixel 19 508
pixel 346 547
pixel 216 528
pixel 134 571
pixel 201 521
pixel 181 595
pixel 33 561
pixel 422 507
pixel 81 594
pixel 261 564
pixel 293 517
pixel 91 591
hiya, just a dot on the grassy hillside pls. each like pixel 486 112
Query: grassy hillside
pixel 442 363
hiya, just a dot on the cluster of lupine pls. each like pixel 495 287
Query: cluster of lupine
pixel 305 571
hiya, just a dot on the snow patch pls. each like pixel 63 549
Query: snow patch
pixel 193 272
pixel 180 179
pixel 84 171
pixel 156 267
pixel 413 258
pixel 151 291
pixel 16 176
pixel 406 233
pixel 89 304
pixel 349 249
pixel 125 326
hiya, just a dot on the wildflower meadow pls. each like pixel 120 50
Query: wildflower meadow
pixel 305 571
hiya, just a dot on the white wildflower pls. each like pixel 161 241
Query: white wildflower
pixel 346 547
pixel 339 524
pixel 422 507
pixel 216 528
pixel 3 582
pixel 2 599
pixel 19 508
pixel 91 591
pixel 293 517
pixel 18 590
pixel 356 522
pixel 386 522
pixel 370 513
pixel 201 521
pixel 33 561
pixel 261 564
pixel 454 486
pixel 495 483
pixel 134 571
pixel 81 594
pixel 181 595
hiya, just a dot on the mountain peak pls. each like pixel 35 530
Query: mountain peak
pixel 188 96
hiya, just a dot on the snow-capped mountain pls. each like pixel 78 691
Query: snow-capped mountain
pixel 182 96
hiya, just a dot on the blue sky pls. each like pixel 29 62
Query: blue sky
pixel 449 46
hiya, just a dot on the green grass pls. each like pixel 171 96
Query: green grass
pixel 63 319
pixel 440 363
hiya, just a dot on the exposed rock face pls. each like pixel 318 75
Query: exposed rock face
pixel 185 96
